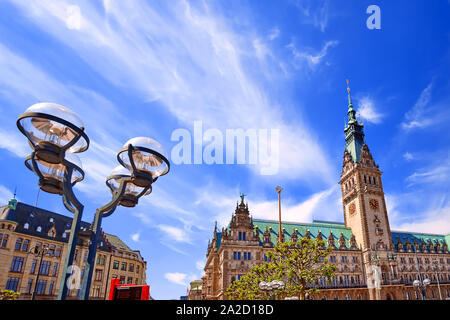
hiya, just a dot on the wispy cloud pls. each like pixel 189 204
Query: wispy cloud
pixel 199 73
pixel 367 110
pixel 5 195
pixel 315 13
pixel 408 156
pixel 416 116
pixel 307 55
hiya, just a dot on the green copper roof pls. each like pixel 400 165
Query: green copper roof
pixel 354 133
pixel 323 226
pixel 412 236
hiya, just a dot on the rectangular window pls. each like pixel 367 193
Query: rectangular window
pixel 55 269
pixel 45 268
pixel 130 280
pixel 137 268
pixel 3 240
pixel 249 256
pixel 50 287
pixel 239 256
pixel 124 266
pixel 243 236
pixel 33 266
pixel 98 275
pixel 122 280
pixel 18 244
pixel 16 264
pixel 29 285
pixel 131 269
pixel 240 235
pixel 40 286
pixel 25 246
pixel 12 284
pixel 116 264
pixel 58 251
pixel 245 255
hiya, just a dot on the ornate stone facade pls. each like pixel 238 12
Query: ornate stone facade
pixel 363 241
pixel 23 227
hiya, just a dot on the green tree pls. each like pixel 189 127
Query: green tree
pixel 9 295
pixel 300 265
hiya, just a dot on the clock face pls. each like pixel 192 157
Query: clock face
pixel 352 208
pixel 374 204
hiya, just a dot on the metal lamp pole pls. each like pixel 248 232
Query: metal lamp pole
pixel 38 251
pixel 435 268
pixel 126 189
pixel 55 133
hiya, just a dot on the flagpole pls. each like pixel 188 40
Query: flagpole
pixel 279 213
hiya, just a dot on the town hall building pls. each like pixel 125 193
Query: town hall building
pixel 363 241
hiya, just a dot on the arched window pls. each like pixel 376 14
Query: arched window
pixel 39 229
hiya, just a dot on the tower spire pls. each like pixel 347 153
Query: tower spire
pixel 354 134
pixel 349 96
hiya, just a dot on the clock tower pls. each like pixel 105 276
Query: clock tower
pixel 363 196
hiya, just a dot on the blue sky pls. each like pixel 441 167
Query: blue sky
pixel 147 68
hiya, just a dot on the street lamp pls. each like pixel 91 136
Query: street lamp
pixel 420 284
pixel 39 252
pixel 55 133
pixel 271 287
pixel 143 160
pixel 52 131
pixel 435 269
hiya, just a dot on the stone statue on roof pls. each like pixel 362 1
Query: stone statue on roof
pixel 242 197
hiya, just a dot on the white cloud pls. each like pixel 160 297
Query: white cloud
pixel 435 221
pixel 192 62
pixel 136 236
pixel 408 156
pixel 177 277
pixel 5 195
pixel 317 16
pixel 416 118
pixel 200 264
pixel 274 33
pixel 180 278
pixel 312 59
pixel 14 142
pixel 368 111
pixel 175 234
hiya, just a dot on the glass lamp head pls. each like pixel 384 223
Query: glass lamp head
pixel 145 158
pixel 132 192
pixel 51 175
pixel 53 130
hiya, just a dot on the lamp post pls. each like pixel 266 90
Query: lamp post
pixel 279 189
pixel 39 252
pixel 143 160
pixel 419 284
pixel 271 287
pixel 435 268
pixel 55 133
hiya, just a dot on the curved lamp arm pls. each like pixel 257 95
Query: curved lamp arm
pixel 110 207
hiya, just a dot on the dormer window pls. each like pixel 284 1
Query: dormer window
pixel 52 220
pixel 26 226
pixel 39 229
pixel 64 235
pixel 51 233
pixel 31 215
